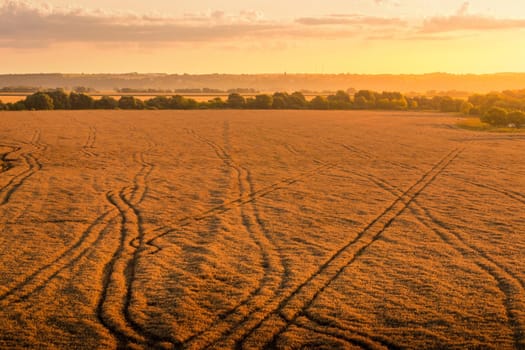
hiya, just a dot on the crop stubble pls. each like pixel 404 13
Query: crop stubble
pixel 244 229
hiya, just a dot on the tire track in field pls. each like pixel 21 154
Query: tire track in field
pixel 369 156
pixel 290 308
pixel 510 285
pixel 36 141
pixel 31 163
pixel 291 149
pixel 111 288
pixel 117 295
pixel 241 200
pixel 516 196
pixel 352 336
pixel 90 142
pixel 114 306
pixel 5 162
pixel 272 280
pixel 45 274
pixel 356 337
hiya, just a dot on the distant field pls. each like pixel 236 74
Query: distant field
pixel 12 98
pixel 253 229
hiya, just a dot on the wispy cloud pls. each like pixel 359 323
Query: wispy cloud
pixel 349 20
pixel 462 20
pixel 22 24
pixel 25 25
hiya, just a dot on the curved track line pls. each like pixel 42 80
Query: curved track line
pixel 114 305
pixel 30 161
pixel 272 263
pixel 5 163
pixel 369 156
pixel 113 309
pixel 516 196
pixel 90 142
pixel 41 277
pixel 512 287
pixel 301 298
pixel 32 164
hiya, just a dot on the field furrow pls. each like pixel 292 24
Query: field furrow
pixel 239 229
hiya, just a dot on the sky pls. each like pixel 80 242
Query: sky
pixel 255 36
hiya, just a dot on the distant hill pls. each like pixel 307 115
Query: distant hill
pixel 275 82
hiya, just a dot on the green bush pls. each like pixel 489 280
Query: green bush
pixel 39 101
pixel 80 101
pixel 105 102
pixel 495 116
pixel 517 118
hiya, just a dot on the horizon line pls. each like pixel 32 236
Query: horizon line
pixel 267 73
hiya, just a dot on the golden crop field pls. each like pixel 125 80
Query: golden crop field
pixel 259 229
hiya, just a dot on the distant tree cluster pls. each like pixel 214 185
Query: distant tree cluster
pixel 340 100
pixel 498 116
pixel 499 109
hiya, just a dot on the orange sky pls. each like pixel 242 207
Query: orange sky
pixel 361 36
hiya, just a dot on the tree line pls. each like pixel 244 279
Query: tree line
pixel 495 108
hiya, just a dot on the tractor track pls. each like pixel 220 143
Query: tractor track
pixel 31 163
pixel 301 298
pixel 114 307
pixel 509 284
pixel 271 282
pixel 88 146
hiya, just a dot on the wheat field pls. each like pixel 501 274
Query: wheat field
pixel 259 229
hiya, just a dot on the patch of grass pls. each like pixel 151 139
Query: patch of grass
pixel 476 124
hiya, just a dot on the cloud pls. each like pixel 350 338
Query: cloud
pixel 340 19
pixel 22 24
pixel 26 25
pixel 463 21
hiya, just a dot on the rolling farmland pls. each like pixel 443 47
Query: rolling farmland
pixel 259 229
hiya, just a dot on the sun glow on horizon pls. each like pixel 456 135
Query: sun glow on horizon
pixel 368 37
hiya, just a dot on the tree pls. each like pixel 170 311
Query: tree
pixel 178 102
pixel 466 107
pixel 517 118
pixel 360 102
pixel 216 103
pixel 341 100
pixel 60 99
pixel 319 102
pixel 158 102
pixel 3 107
pixel 448 105
pixel 365 99
pixel 39 101
pixel 400 103
pixel 413 104
pixel 262 102
pixel 235 100
pixel 130 102
pixel 495 116
pixel 105 102
pixel 17 106
pixel 297 100
pixel 80 101
pixel 280 100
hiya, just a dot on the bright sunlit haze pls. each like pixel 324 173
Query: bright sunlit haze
pixel 363 36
